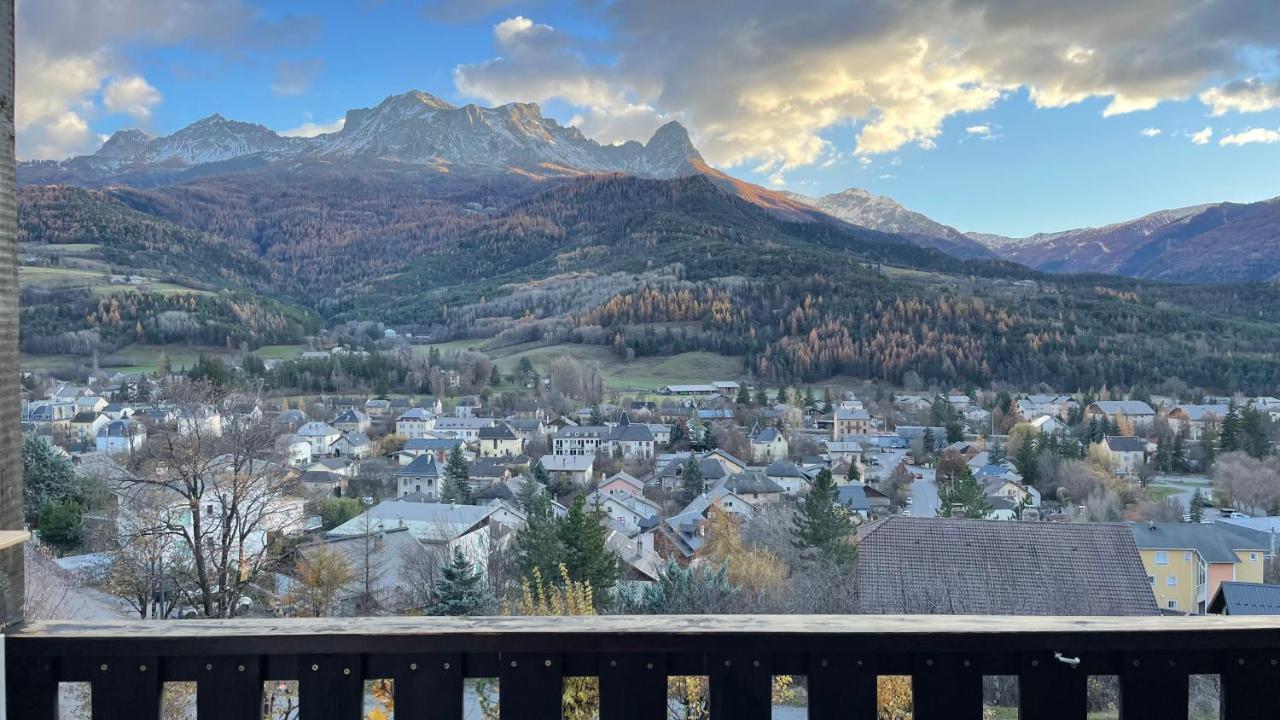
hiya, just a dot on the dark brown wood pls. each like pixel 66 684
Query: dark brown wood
pixel 946 686
pixel 632 687
pixel 126 688
pixel 330 687
pixel 229 687
pixel 425 687
pixel 32 688
pixel 740 684
pixel 842 687
pixel 1050 689
pixel 1250 685
pixel 1153 685
pixel 530 686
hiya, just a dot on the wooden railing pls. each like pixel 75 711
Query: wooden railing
pixel 840 656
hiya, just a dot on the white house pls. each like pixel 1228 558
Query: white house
pixel 121 436
pixel 768 445
pixel 320 435
pixel 577 469
pixel 415 423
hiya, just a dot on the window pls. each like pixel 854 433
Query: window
pixel 1151 579
pixel 1253 557
pixel 1172 581
pixel 1172 604
pixel 1162 558
pixel 1186 557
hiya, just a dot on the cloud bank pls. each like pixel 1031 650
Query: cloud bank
pixel 761 83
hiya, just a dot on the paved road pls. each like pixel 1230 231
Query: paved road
pixel 1186 485
pixel 924 494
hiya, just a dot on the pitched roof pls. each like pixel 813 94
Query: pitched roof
pixel 422 466
pixel 1125 443
pixel 1244 598
pixel 498 432
pixel 982 567
pixel 750 481
pixel 767 435
pixel 1124 407
pixel 1215 543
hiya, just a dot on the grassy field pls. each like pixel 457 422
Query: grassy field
pixel 135 358
pixel 648 373
pixel 281 352
pixel 97 282
pixel 447 348
pixel 1157 493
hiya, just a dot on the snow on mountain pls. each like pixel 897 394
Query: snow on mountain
pixel 877 212
pixel 213 139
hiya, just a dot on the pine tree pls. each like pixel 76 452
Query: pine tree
pixel 809 400
pixel 852 475
pixel 596 418
pixel 963 498
pixel 1228 431
pixel 744 396
pixel 782 396
pixel 822 523
pixel 537 544
pixel 586 554
pixel 456 488
pixel 48 476
pixel 691 481
pixel 995 454
pixel 1197 507
pixel 929 442
pixel 762 397
pixel 461 589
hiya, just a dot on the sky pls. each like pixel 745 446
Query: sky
pixel 1004 116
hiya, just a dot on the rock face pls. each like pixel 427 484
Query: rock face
pixel 415 127
pixel 877 212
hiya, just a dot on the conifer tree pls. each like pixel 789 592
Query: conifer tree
pixel 963 498
pixel 1196 510
pixel 586 554
pixel 456 488
pixel 822 523
pixel 461 589
pixel 744 396
pixel 692 483
pixel 537 544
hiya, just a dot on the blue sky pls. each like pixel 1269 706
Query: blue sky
pixel 989 115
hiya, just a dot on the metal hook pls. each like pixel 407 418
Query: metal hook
pixel 1072 661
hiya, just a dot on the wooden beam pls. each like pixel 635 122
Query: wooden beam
pixel 12 538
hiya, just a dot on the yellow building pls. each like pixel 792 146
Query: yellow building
pixel 1186 562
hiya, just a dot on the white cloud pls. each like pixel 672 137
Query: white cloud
pixel 1202 137
pixel 294 77
pixel 1151 132
pixel 70 70
pixel 978 129
pixel 865 161
pixel 312 129
pixel 760 84
pixel 1244 96
pixel 132 95
pixel 1252 136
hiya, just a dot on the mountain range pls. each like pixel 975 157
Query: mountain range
pixel 1223 242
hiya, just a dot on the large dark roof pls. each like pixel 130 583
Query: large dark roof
pixel 1216 543
pixel 1242 598
pixel 984 567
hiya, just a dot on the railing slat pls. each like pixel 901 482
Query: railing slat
pixel 633 687
pixel 32 687
pixel 530 686
pixel 741 686
pixel 842 687
pixel 1153 686
pixel 229 687
pixel 946 687
pixel 330 687
pixel 1049 689
pixel 426 687
pixel 1250 685
pixel 126 689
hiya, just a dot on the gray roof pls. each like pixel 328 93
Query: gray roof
pixel 854 497
pixel 784 468
pixel 1215 542
pixel 1125 443
pixel 1243 598
pixel 422 466
pixel 952 566
pixel 498 432
pixel 424 444
pixel 1124 407
pixel 766 435
pixel 750 481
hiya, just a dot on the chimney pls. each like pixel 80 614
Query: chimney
pixel 639 546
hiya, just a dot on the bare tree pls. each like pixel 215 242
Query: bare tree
pixel 222 491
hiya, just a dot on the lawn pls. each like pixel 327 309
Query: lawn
pixel 649 373
pixel 448 348
pixel 1157 493
pixel 280 352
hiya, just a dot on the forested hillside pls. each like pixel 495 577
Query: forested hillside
pixel 648 267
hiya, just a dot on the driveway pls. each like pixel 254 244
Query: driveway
pixel 924 493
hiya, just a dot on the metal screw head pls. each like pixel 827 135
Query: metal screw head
pixel 346 671
pixel 1035 663
pixel 1273 661
pixel 103 667
pixel 755 663
pixel 1173 663
pixel 513 663
pixel 446 666
pixel 142 668
pixel 859 663
pixel 1136 663
pixel 967 663
pixel 547 662
pixel 208 666
pixel 315 668
pixel 413 666
pixel 241 668
pixel 929 662
pixel 824 663
pixel 728 663
pixel 648 666
pixel 613 663
pixel 1239 661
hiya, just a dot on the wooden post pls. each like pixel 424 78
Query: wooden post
pixel 530 686
pixel 330 687
pixel 633 687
